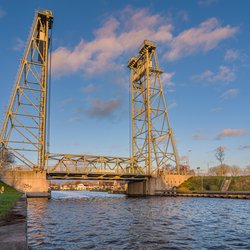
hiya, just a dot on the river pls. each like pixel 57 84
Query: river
pixel 94 220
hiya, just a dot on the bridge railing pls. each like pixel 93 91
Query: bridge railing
pixel 87 164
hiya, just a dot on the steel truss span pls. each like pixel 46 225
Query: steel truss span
pixel 75 166
pixel 24 132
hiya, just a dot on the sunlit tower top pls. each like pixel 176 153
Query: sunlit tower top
pixel 153 144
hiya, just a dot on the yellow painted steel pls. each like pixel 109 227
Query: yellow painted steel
pixel 153 144
pixel 24 129
pixel 92 167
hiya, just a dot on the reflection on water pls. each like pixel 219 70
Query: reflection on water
pixel 93 220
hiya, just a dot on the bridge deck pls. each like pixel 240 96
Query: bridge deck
pixel 62 175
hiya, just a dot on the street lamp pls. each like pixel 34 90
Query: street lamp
pixel 201 178
pixel 198 171
pixel 188 159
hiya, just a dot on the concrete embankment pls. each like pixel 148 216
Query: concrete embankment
pixel 230 195
pixel 34 184
pixel 13 227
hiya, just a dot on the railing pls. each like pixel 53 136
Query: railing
pixel 73 163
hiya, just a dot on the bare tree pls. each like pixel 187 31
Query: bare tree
pixel 235 170
pixel 213 171
pixel 6 158
pixel 220 154
pixel 247 170
pixel 224 169
pixel 220 170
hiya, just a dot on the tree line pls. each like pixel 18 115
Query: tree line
pixel 225 169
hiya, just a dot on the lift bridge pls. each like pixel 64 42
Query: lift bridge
pixel 25 133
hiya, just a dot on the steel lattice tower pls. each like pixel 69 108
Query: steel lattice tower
pixel 153 144
pixel 24 129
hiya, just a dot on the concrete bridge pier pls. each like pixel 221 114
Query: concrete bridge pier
pixel 34 184
pixel 155 185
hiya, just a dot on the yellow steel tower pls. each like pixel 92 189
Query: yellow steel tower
pixel 153 145
pixel 24 129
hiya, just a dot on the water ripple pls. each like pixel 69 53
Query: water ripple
pixel 88 220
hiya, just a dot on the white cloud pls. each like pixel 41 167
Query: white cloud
pixel 90 88
pixel 19 44
pixel 111 40
pixel 224 74
pixel 231 55
pixel 183 15
pixel 123 34
pixel 231 132
pixel 244 147
pixel 100 109
pixel 230 94
pixel 2 13
pixel 75 119
pixel 215 110
pixel 103 109
pixel 166 79
pixel 199 135
pixel 65 102
pixel 206 2
pixel 203 38
pixel 172 105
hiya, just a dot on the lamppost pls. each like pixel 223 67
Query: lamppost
pixel 198 173
pixel 188 159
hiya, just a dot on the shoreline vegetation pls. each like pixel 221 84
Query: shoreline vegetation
pixel 215 184
pixel 8 198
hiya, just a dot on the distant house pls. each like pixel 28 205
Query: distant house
pixel 80 187
pixel 65 187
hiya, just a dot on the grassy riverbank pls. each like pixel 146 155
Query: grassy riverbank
pixel 214 183
pixel 7 199
pixel 240 183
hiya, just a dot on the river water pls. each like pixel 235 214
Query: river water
pixel 93 220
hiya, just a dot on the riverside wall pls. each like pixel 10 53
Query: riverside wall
pixel 156 185
pixel 33 184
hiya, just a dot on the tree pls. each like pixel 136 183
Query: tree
pixel 235 170
pixel 220 170
pixel 220 154
pixel 6 158
pixel 247 170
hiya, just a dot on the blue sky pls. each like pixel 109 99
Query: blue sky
pixel 203 47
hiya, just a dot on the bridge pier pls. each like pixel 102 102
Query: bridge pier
pixel 155 185
pixel 34 184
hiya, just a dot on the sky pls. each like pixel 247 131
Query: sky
pixel 203 47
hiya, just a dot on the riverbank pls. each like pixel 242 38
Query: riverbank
pixel 211 184
pixel 227 195
pixel 13 227
pixel 13 219
pixel 8 197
